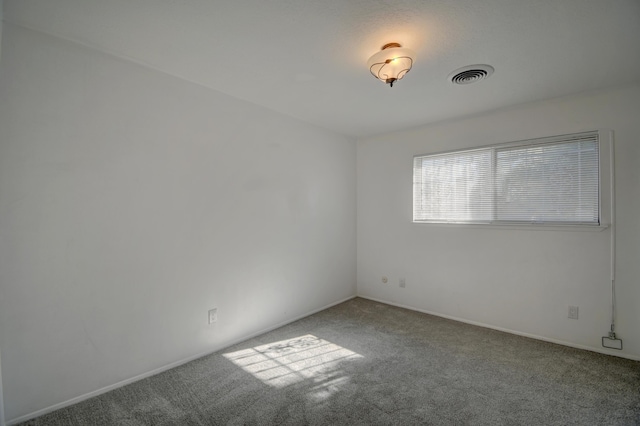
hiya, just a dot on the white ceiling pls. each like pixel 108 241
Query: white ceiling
pixel 307 58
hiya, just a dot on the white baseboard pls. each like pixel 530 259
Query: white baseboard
pixel 506 330
pixel 105 389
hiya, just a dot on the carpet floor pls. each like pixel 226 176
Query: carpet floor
pixel 363 362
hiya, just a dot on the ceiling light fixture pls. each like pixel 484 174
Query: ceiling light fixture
pixel 391 63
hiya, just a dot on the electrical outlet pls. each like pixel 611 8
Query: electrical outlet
pixel 213 315
pixel 402 283
pixel 573 312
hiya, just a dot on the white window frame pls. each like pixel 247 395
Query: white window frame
pixel 606 185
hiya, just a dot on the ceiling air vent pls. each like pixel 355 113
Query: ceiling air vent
pixel 470 74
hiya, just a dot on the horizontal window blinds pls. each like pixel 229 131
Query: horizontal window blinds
pixel 555 183
pixel 551 181
pixel 454 187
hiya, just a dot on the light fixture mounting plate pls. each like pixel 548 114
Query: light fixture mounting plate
pixel 388 45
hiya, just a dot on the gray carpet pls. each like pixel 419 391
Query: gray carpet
pixel 363 362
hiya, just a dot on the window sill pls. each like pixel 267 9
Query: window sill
pixel 521 227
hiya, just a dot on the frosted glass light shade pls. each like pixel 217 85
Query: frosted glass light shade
pixel 391 63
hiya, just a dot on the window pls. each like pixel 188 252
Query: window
pixel 550 181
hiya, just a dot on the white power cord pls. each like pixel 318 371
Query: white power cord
pixel 612 333
pixel 611 341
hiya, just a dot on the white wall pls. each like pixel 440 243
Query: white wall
pixel 131 202
pixel 518 280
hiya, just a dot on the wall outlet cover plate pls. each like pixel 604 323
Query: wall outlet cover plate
pixel 610 343
pixel 213 315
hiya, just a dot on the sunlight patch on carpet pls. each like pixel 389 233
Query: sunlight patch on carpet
pixel 284 363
